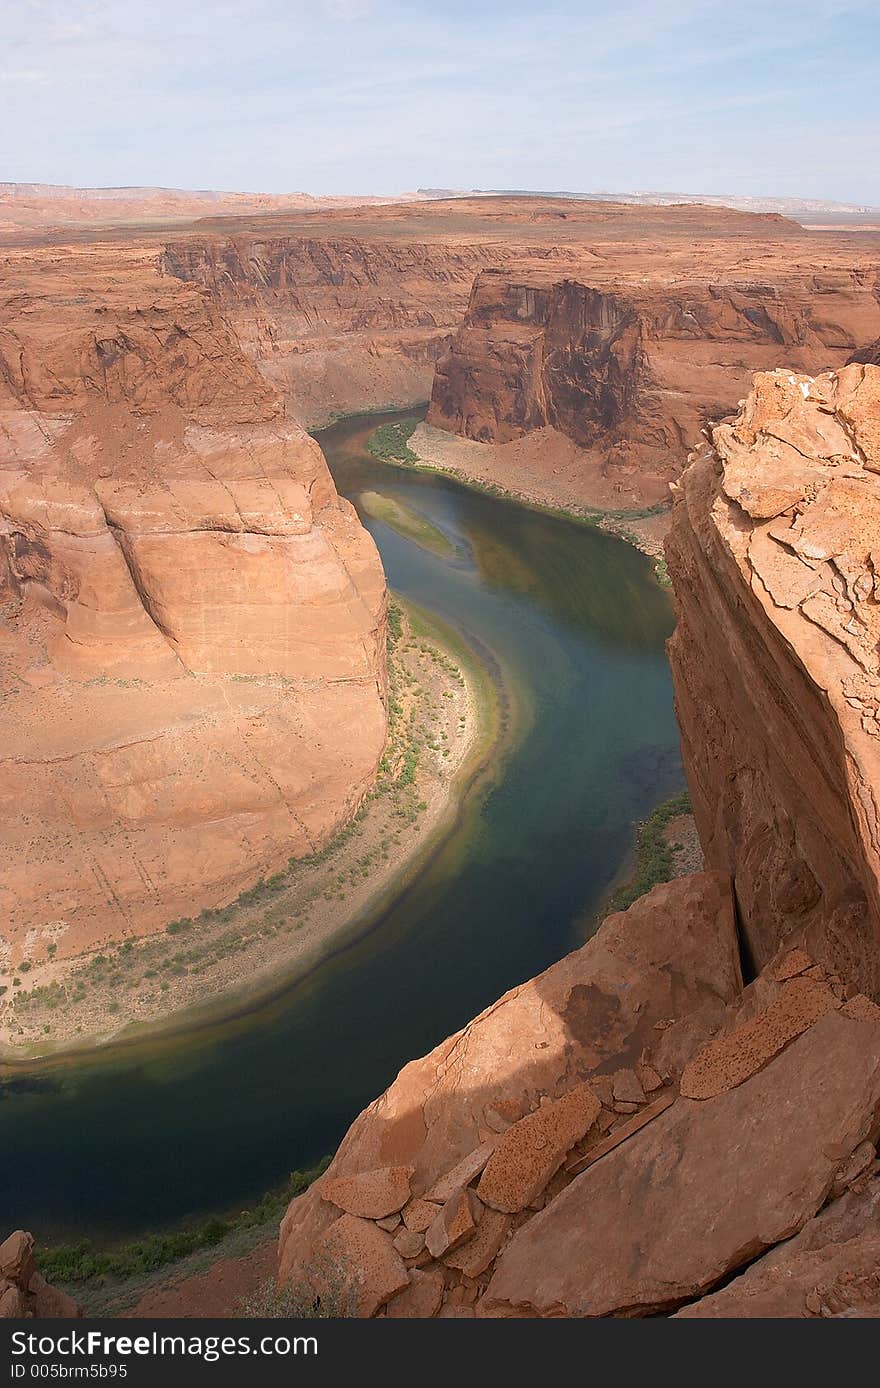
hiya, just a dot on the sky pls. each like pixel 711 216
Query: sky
pixel 756 97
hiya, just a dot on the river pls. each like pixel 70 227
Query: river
pixel 141 1137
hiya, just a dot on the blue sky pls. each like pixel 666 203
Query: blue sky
pixel 774 97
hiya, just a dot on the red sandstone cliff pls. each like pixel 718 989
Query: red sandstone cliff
pixel 695 1093
pixel 774 560
pixel 631 370
pixel 192 622
pixel 623 327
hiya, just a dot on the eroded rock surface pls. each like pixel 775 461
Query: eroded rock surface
pixel 192 623
pixel 701 1190
pixel 627 369
pixel 649 986
pixel 775 657
pixel 831 1268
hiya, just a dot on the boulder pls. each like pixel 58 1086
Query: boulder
pixel 23 1291
pixel 476 1253
pixel 371 1194
pixel 730 1059
pixel 419 1215
pixel 421 1299
pixel 357 1268
pixel 17 1258
pixel 455 1222
pixel 532 1150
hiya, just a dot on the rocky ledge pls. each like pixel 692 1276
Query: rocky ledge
pixel 576 1149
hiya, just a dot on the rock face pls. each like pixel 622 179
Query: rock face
pixel 650 985
pixel 830 1269
pixel 701 1190
pixel 192 623
pixel 869 356
pixel 23 1292
pixel 629 371
pixel 337 321
pixel 609 332
pixel 773 556
pixel 580 1207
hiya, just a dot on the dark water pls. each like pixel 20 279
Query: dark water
pixel 205 1122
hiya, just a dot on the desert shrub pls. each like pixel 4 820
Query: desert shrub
pixel 81 1262
pixel 654 860
pixel 389 443
pixel 323 1293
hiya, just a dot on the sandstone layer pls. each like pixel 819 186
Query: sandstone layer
pixel 629 372
pixel 774 560
pixel 192 623
pixel 599 336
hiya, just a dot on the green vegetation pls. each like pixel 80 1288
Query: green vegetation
pixel 654 856
pixel 389 443
pixel 285 902
pixel 76 1264
pixel 325 1293
pixel 407 522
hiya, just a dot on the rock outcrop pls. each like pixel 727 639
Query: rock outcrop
pixel 628 371
pixel 696 1092
pixel 773 556
pixel 703 1189
pixel 595 1185
pixel 485 1121
pixel 24 1293
pixel 868 356
pixel 830 1269
pixel 192 623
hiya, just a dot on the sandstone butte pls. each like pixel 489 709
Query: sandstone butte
pixel 734 1009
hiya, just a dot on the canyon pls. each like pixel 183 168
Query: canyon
pixel 183 591
pixel 193 625
pixel 694 1093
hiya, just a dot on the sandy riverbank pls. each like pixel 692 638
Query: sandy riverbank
pixel 441 722
pixel 547 470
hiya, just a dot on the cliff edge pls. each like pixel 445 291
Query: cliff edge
pixel 774 560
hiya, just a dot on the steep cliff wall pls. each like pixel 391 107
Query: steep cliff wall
pixel 349 310
pixel 192 623
pixel 774 558
pixel 338 323
pixel 630 371
pixel 869 356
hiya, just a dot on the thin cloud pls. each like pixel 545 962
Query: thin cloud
pixel 384 95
